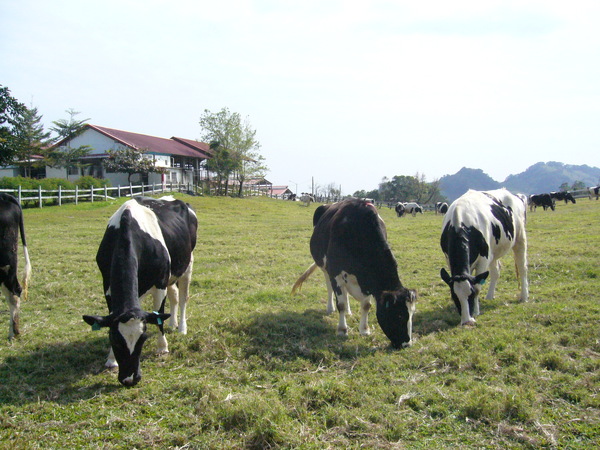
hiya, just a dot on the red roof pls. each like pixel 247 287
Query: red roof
pixel 153 144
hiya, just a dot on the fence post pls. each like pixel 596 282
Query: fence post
pixel 119 191
pixel 105 193
pixel 142 185
pixel 130 190
pixel 40 194
pixel 59 195
pixel 76 195
pixel 20 195
pixel 92 194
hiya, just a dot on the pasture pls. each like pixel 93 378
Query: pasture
pixel 262 369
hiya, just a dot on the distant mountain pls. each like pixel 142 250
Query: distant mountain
pixel 539 178
pixel 453 186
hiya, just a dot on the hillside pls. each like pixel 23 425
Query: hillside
pixel 541 177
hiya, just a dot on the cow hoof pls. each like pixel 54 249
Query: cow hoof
pixel 111 364
pixel 329 310
pixel 366 332
pixel 343 332
pixel 469 323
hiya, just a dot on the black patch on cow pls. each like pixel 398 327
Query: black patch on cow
pixel 504 215
pixel 11 221
pixel 393 315
pixel 463 246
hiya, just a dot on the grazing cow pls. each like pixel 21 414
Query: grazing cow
pixel 399 209
pixel 480 228
pixel 146 249
pixel 594 192
pixel 441 208
pixel 349 243
pixel 11 222
pixel 306 199
pixel 563 195
pixel 544 200
pixel 413 208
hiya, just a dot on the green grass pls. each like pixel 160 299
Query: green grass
pixel 261 369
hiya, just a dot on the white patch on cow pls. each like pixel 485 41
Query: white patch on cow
pixel 462 289
pixel 349 285
pixel 131 332
pixel 145 218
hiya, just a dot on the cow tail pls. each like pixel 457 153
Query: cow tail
pixel 27 271
pixel 303 278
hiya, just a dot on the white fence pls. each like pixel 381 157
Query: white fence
pixel 60 195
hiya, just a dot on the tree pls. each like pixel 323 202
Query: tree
pixel 11 115
pixel 69 129
pixel 235 145
pixel 30 139
pixel 130 161
pixel 65 155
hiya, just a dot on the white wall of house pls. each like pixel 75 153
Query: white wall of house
pixel 9 171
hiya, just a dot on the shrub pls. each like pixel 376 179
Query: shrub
pixel 88 181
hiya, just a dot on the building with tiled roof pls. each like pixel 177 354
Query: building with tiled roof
pixel 183 160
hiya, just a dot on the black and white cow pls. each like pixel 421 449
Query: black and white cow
pixel 441 207
pixel 478 229
pixel 11 223
pixel 563 195
pixel 349 243
pixel 544 200
pixel 399 208
pixel 147 249
pixel 413 208
pixel 594 192
pixel 306 199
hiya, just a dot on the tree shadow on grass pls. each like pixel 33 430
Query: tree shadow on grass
pixel 53 372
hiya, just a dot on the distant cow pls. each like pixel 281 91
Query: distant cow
pixel 412 208
pixel 399 209
pixel 441 207
pixel 563 195
pixel 349 243
pixel 594 192
pixel 480 228
pixel 543 200
pixel 306 199
pixel 11 222
pixel 146 249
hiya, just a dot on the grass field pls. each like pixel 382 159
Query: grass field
pixel 262 369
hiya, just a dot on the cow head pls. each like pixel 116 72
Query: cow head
pixel 127 334
pixel 464 288
pixel 394 313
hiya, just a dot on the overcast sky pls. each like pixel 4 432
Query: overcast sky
pixel 345 91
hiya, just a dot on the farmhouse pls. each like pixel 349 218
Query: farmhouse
pixel 184 160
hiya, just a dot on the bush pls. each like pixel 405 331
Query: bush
pixel 52 184
pixel 15 182
pixel 88 181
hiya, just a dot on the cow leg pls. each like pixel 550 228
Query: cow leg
pixel 184 287
pixel 365 306
pixel 159 296
pixel 520 254
pixel 494 275
pixel 13 304
pixel 330 296
pixel 341 296
pixel 173 294
pixel 110 360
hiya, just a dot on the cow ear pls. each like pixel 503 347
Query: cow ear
pixel 480 279
pixel 97 322
pixel 156 318
pixel 445 276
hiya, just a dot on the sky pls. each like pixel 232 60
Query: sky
pixel 340 93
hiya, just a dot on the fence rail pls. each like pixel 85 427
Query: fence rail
pixel 60 195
